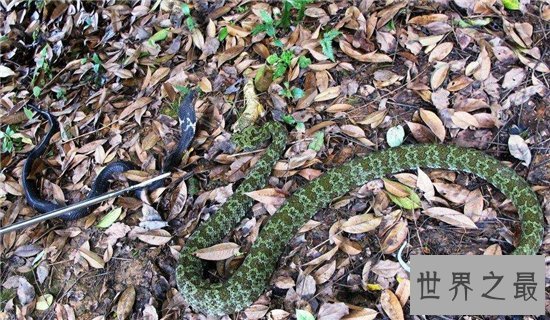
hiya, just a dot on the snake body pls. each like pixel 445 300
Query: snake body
pixel 249 281
pixel 186 114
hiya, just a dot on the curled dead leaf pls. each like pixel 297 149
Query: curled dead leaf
pixel 218 252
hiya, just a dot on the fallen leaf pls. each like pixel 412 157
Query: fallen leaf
pixel 391 305
pixel 6 72
pixel 441 51
pixel 519 149
pixel 434 123
pixel 513 78
pixel 451 217
pixel 126 303
pixel 93 259
pixel 361 223
pixel 218 252
pixel 332 311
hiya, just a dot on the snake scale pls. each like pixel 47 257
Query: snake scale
pixel 250 280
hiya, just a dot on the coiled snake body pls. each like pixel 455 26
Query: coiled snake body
pixel 250 280
pixel 100 185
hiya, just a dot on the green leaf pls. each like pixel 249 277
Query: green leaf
pixel 304 315
pixel 409 203
pixel 185 9
pixel 300 127
pixel 224 33
pixel 159 36
pixel 44 302
pixel 326 43
pixel 28 113
pixel 278 43
pixel 109 218
pixel 287 56
pixel 258 29
pixel 266 17
pixel 511 4
pixel 36 91
pixel 395 136
pixel 191 24
pixel 304 62
pixel 270 30
pixel 280 70
pixel 272 59
pixel 297 93
pixel 289 119
pixel 318 140
pixel 183 90
pixel 96 59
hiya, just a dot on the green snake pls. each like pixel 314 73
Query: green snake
pixel 250 280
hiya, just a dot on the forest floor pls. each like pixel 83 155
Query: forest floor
pixel 346 78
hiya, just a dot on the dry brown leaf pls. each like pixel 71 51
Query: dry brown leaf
pixel 441 51
pixel 473 206
pixel 386 14
pixel 384 78
pixel 158 75
pixel 403 291
pixel 396 188
pixel 205 85
pixel 218 252
pixel 484 69
pixel 513 78
pixel 348 246
pixel 434 123
pixel 339 107
pixel 322 258
pixel 519 149
pixel 493 250
pixel 361 223
pixel 464 120
pixel 332 311
pixel 237 31
pixel 452 192
pixel 451 217
pixel 268 197
pixel 138 104
pixel 421 133
pixel 391 305
pixel 424 183
pixel 439 75
pixel 440 98
pixel 256 311
pixel 126 303
pixel 394 239
pixel 179 200
pixel 374 119
pixel 429 18
pixel 459 83
pixel 328 94
pixel 353 131
pixel 372 57
pixel 324 273
pixel 155 237
pixel 362 314
pixel 229 54
pixel 93 259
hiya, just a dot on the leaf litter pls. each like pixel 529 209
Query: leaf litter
pixel 346 78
